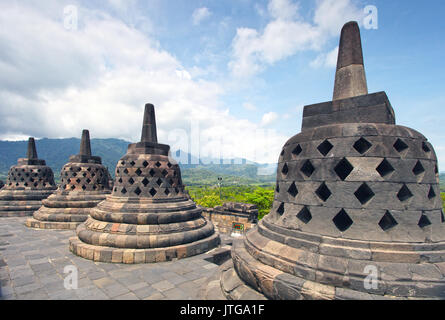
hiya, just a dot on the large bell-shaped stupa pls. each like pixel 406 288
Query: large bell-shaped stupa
pixel 357 212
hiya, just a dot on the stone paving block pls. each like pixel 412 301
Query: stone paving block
pixel 176 294
pixel 42 267
pixel 115 290
pixel 54 286
pixel 22 281
pixel 28 288
pixel 104 282
pixel 137 286
pixel 50 279
pixel 127 296
pixel 129 280
pixel 21 273
pixel 96 274
pixel 192 275
pixel 33 296
pixel 156 296
pixel 16 262
pixel 145 292
pixel 177 279
pixel 91 293
pixel 188 286
pixel 63 295
pixel 163 285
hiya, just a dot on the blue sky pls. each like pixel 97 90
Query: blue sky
pixel 236 73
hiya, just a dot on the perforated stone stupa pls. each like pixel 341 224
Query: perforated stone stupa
pixel 28 183
pixel 357 199
pixel 148 217
pixel 84 183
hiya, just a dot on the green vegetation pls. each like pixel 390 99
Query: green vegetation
pixel 442 182
pixel 209 196
pixel 442 195
pixel 207 175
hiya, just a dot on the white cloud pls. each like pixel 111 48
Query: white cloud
pixel 283 9
pixel 249 106
pixel 287 33
pixel 260 10
pixel 56 82
pixel 268 118
pixel 200 14
pixel 121 4
pixel 328 60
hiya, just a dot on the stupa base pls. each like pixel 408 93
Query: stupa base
pixel 37 224
pixel 284 266
pixel 21 213
pixel 64 211
pixel 21 203
pixel 133 256
pixel 18 208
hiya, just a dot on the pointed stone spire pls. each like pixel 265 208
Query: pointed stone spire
pixel 350 78
pixel 32 152
pixel 149 125
pixel 85 145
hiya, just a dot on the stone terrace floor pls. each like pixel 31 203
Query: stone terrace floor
pixel 32 266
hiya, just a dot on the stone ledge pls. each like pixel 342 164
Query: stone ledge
pixel 133 256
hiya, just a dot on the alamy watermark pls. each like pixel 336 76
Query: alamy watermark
pixel 371 18
pixel 71 281
pixel 70 18
pixel 371 281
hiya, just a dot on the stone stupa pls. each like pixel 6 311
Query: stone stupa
pixel 28 183
pixel 357 212
pixel 148 217
pixel 84 183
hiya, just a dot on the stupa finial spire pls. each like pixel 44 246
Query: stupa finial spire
pixel 350 77
pixel 85 145
pixel 149 125
pixel 32 151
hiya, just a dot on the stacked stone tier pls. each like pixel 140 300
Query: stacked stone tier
pixel 289 264
pixel 139 230
pixel 65 210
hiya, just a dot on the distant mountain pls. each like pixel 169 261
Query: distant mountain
pixel 56 152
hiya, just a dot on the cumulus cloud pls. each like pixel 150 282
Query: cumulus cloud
pixel 200 14
pixel 287 33
pixel 56 82
pixel 249 106
pixel 268 118
pixel 328 59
